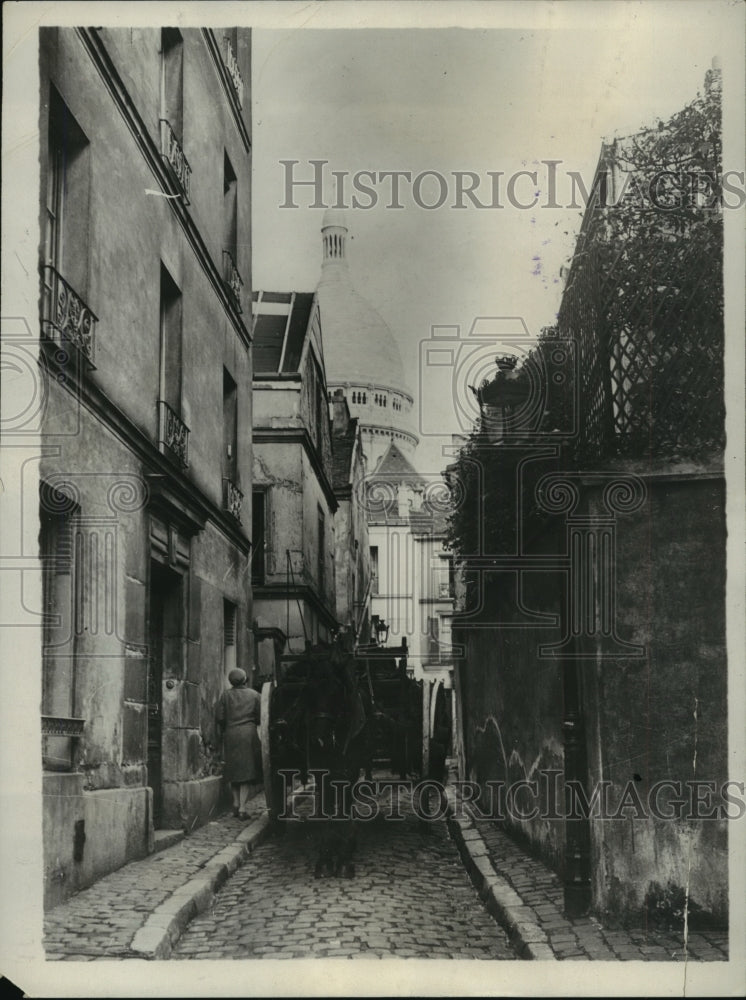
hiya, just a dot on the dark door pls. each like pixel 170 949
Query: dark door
pixel 165 631
pixel 155 689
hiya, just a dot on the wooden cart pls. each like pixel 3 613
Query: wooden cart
pixel 398 715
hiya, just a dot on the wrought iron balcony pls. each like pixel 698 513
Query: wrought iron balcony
pixel 173 434
pixel 174 156
pixel 53 725
pixel 232 499
pixel 232 278
pixel 67 319
pixel 231 64
pixel 59 737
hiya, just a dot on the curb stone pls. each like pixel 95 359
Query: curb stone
pixel 499 897
pixel 165 925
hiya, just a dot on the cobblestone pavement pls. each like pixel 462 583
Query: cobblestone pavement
pixel 584 938
pixel 100 922
pixel 410 898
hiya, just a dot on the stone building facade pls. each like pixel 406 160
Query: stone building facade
pixel 145 476
pixel 410 565
pixel 294 505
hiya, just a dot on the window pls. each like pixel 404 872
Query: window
pixel 321 411
pixel 172 80
pixel 68 190
pixel 230 54
pixel 172 109
pixel 321 557
pixel 230 427
pixel 258 536
pixel 59 542
pixel 66 256
pixel 229 636
pixel 374 569
pixel 173 432
pixel 230 210
pixel 170 323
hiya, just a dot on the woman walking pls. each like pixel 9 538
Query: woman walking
pixel 237 720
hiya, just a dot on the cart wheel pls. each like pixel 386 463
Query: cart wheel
pixel 440 732
pixel 273 784
pixel 427 701
pixel 436 705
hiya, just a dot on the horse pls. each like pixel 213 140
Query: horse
pixel 338 750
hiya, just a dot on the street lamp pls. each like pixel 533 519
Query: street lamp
pixel 381 630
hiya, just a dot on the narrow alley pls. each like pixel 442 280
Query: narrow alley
pixel 410 898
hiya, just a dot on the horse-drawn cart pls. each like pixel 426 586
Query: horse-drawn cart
pixel 350 712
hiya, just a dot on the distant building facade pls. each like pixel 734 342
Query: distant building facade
pixel 352 552
pixel 293 570
pixel 145 477
pixel 411 569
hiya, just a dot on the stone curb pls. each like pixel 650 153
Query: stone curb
pixel 165 925
pixel 499 897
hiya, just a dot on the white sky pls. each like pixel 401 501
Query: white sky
pixel 454 99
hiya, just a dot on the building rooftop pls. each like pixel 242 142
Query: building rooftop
pixel 281 322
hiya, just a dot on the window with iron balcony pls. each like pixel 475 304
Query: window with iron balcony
pixel 172 108
pixel 173 433
pixel 66 317
pixel 232 495
pixel 230 58
pixel 231 276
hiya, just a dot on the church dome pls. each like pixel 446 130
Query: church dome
pixel 359 347
pixel 334 217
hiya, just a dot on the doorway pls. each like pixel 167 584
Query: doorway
pixel 165 617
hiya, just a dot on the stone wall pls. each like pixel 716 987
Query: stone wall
pixel 664 717
pixel 641 720
pixel 511 701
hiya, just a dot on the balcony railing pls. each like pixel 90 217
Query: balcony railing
pixel 53 725
pixel 174 156
pixel 232 499
pixel 232 278
pixel 58 741
pixel 66 316
pixel 231 64
pixel 173 434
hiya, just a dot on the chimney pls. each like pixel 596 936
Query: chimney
pixel 341 413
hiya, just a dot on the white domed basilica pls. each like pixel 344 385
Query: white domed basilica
pixel 360 351
pixel 411 587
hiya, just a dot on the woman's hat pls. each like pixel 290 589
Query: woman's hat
pixel 237 677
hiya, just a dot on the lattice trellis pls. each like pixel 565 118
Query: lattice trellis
pixel 650 339
pixel 579 320
pixel 665 344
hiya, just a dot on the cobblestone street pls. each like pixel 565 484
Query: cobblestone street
pixel 410 898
